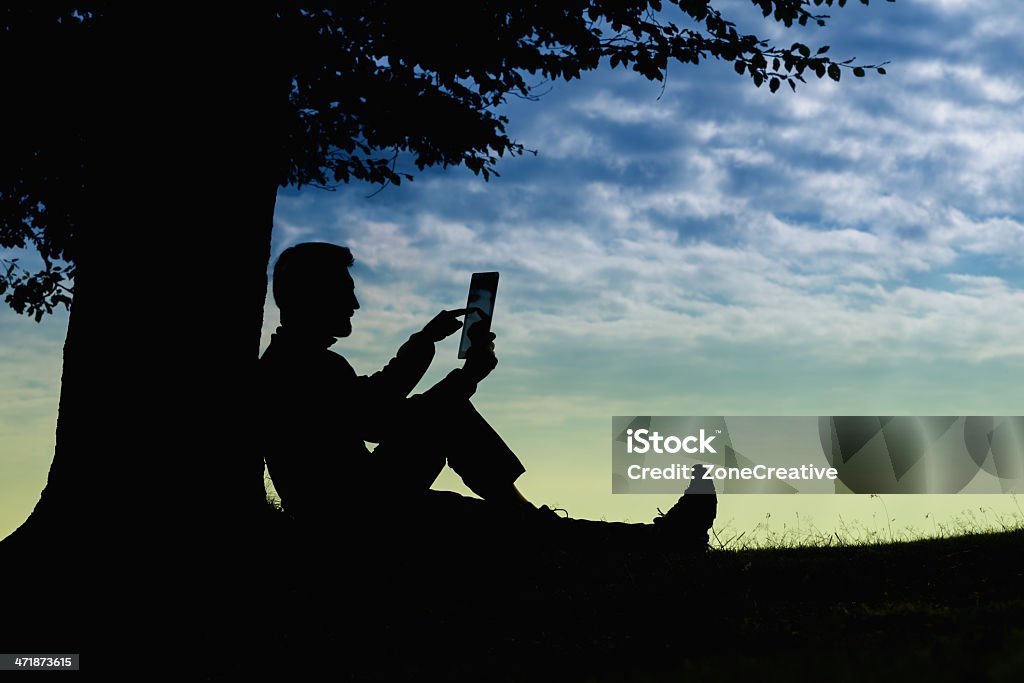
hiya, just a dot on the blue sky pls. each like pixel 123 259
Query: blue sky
pixel 850 248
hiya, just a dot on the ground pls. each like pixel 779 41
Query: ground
pixel 520 609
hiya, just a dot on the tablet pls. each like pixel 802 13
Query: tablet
pixel 483 288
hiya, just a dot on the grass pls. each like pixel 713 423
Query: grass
pixel 799 533
pixel 794 603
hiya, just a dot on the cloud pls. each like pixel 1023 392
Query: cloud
pixel 873 223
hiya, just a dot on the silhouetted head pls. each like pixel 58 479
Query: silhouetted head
pixel 314 289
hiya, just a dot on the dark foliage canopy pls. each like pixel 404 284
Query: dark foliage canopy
pixel 369 80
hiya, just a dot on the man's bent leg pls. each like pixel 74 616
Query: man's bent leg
pixel 482 458
pixel 433 431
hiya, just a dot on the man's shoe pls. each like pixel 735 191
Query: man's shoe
pixel 690 519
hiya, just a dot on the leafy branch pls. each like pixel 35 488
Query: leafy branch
pixel 36 294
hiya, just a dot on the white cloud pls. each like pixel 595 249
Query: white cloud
pixel 608 106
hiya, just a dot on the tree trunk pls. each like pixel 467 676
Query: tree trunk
pixel 156 484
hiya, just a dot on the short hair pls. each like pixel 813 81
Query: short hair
pixel 304 270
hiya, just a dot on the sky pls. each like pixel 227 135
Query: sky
pixel 706 248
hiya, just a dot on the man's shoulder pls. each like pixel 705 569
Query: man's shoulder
pixel 288 358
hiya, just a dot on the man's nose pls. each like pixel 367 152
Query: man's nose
pixel 355 303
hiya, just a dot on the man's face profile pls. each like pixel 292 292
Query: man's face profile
pixel 340 305
pixel 330 308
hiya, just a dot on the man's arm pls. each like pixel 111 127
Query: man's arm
pixel 403 372
pixel 396 379
pixel 461 383
pixel 381 393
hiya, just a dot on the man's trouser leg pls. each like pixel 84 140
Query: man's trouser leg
pixel 430 433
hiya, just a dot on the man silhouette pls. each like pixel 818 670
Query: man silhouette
pixel 320 413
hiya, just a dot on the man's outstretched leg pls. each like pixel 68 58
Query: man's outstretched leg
pixel 685 527
pixel 490 469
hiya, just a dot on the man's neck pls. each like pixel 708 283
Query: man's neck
pixel 303 336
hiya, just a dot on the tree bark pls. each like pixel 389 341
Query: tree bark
pixel 156 484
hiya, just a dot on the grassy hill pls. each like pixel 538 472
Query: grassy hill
pixel 608 609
